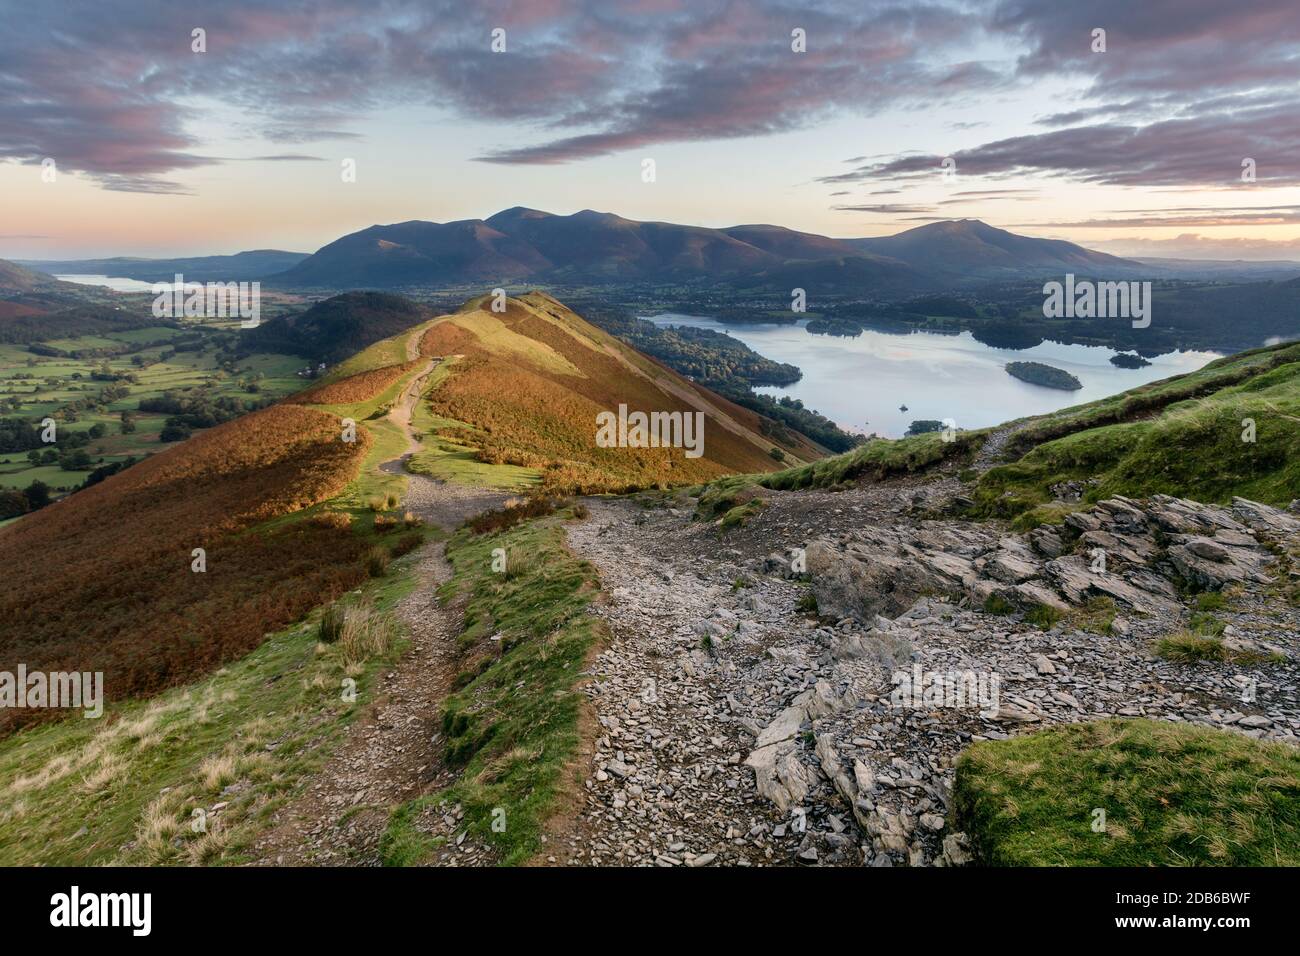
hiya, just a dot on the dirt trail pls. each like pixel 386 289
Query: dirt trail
pixel 401 412
pixel 390 753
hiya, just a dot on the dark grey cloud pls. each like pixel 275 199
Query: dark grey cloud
pixel 886 208
pixel 1182 94
pixel 110 87
pixel 1204 150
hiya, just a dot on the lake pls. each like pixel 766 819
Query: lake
pixel 859 383
pixel 116 283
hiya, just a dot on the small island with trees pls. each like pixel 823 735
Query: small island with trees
pixel 1128 360
pixel 1036 373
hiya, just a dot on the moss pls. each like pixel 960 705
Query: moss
pixel 741 514
pixel 1043 616
pixel 997 604
pixel 1171 794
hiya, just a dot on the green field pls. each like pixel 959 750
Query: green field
pixel 33 387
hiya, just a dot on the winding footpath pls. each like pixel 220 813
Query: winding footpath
pixel 391 752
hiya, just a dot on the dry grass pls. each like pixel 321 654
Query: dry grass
pixel 216 772
pixel 360 633
pixel 355 388
pixel 102 582
pixel 532 382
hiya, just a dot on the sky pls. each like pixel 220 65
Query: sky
pixel 124 132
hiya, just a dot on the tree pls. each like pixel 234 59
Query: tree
pixel 12 503
pixel 37 495
pixel 97 430
pixel 75 460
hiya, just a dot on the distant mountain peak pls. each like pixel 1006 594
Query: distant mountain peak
pixel 522 244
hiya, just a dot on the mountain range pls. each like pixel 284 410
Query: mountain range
pixel 520 244
pixel 252 264
pixel 529 245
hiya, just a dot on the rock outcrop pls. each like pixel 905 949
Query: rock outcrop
pixel 1137 553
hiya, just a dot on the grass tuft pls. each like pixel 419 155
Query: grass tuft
pixel 1171 794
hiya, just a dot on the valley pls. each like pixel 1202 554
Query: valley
pixel 683 666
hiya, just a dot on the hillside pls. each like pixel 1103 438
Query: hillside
pixel 16 278
pixel 520 245
pixel 38 317
pixel 1227 429
pixel 968 248
pixel 517 392
pixel 252 264
pixel 413 253
pixel 526 386
pixel 909 556
pixel 103 579
pixel 336 328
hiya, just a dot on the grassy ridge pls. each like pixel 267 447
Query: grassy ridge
pixel 1172 795
pixel 512 726
pixel 532 380
pixel 1184 437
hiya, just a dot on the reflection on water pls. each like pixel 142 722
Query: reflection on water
pixel 116 283
pixel 861 382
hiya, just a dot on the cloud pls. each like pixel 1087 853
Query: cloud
pixel 1181 96
pixel 886 208
pixel 1192 245
pixel 1184 217
pixel 112 88
pixel 1204 151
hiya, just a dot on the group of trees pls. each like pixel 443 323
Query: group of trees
pixel 14 503
pixel 20 435
pixel 708 356
pixel 198 409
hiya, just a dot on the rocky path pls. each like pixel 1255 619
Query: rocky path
pixel 735 728
pixel 390 752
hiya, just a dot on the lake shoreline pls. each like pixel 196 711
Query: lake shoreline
pixel 864 382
